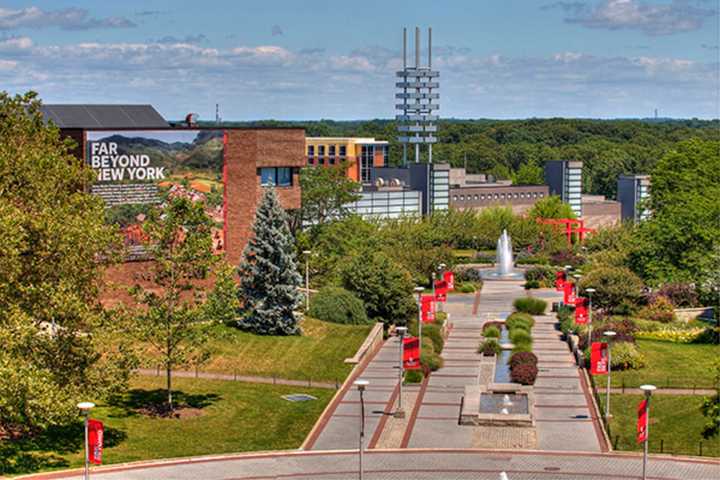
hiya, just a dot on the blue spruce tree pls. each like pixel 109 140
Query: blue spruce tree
pixel 268 272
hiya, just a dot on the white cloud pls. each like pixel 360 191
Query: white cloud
pixel 272 81
pixel 651 18
pixel 66 19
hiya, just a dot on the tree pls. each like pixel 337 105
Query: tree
pixel 385 287
pixel 270 280
pixel 222 303
pixel 54 246
pixel 529 173
pixel 551 207
pixel 683 227
pixel 711 408
pixel 617 289
pixel 179 240
pixel 326 192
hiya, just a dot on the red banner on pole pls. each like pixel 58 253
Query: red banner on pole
pixel 581 310
pixel 559 281
pixel 441 290
pixel 449 278
pixel 569 293
pixel 642 422
pixel 427 310
pixel 95 441
pixel 411 353
pixel 599 358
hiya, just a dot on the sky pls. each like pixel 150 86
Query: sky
pixel 313 59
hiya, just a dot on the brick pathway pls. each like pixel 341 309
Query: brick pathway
pixel 409 465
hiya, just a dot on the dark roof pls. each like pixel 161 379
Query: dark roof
pixel 104 116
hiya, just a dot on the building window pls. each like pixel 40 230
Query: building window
pixel 476 197
pixel 343 151
pixel 321 150
pixel 311 150
pixel 455 197
pixel 331 150
pixel 321 161
pixel 311 161
pixel 496 196
pixel 462 198
pixel 331 160
pixel 522 195
pixel 278 176
pixel 542 195
pixel 482 197
pixel 367 154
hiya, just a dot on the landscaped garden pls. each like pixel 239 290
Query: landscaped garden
pixel 215 417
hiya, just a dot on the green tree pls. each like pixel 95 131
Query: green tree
pixel 326 192
pixel 54 245
pixel 684 226
pixel 222 303
pixel 529 173
pixel 384 286
pixel 551 207
pixel 179 240
pixel 270 280
pixel 617 289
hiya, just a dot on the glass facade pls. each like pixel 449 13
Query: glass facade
pixel 278 176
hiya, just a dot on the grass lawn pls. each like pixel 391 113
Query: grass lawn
pixel 671 364
pixel 674 419
pixel 230 417
pixel 317 354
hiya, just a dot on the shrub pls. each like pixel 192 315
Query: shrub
pixel 675 335
pixel 543 275
pixel 532 260
pixel 531 305
pixel 440 318
pixel 468 275
pixel 519 336
pixel 414 376
pixel 709 335
pixel 522 358
pixel 659 310
pixel 491 331
pixel 566 258
pixel 337 305
pixel 681 295
pixel 531 284
pixel 519 318
pixel 430 360
pixel 432 332
pixel 464 287
pixel 617 289
pixel 524 347
pixel 626 356
pixel 489 347
pixel 524 374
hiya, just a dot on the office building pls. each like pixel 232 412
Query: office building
pixel 564 178
pixel 360 154
pixel 633 193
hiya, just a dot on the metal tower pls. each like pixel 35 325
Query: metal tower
pixel 416 124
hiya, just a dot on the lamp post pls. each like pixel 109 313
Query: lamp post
pixel 361 386
pixel 589 292
pixel 418 291
pixel 400 413
pixel 85 408
pixel 307 279
pixel 441 269
pixel 609 334
pixel 647 389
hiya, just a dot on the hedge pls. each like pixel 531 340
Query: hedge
pixel 337 305
pixel 531 305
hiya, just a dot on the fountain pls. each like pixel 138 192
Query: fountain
pixel 504 265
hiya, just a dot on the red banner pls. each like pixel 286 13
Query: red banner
pixel 411 353
pixel 642 422
pixel 427 308
pixel 449 278
pixel 569 293
pixel 559 281
pixel 441 290
pixel 599 358
pixel 95 441
pixel 581 310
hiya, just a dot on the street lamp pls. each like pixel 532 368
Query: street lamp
pixel 589 292
pixel 85 408
pixel 361 386
pixel 307 279
pixel 400 413
pixel 418 291
pixel 609 334
pixel 441 268
pixel 647 389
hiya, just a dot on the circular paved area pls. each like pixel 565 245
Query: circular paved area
pixel 409 464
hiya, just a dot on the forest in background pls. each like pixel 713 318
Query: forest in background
pixel 608 148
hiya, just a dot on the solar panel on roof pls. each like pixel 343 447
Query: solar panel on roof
pixel 104 116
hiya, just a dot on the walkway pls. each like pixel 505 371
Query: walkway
pixel 408 465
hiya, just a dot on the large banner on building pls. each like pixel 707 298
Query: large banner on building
pixel 137 170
